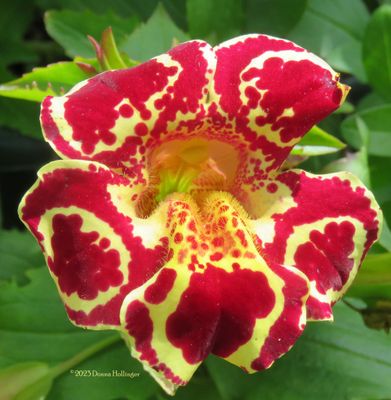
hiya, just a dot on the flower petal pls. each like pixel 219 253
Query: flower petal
pixel 269 92
pixel 83 216
pixel 215 295
pixel 113 117
pixel 322 225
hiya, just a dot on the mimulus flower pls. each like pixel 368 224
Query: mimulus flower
pixel 168 218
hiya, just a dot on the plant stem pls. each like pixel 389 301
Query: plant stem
pixel 83 355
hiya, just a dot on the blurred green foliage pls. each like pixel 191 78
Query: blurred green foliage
pixel 42 45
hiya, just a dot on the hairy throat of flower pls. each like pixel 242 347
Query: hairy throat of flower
pixel 189 167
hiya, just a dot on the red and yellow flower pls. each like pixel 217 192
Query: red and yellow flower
pixel 168 218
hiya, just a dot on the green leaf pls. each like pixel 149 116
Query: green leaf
pixel 377 51
pixel 70 29
pixel 19 252
pixel 36 391
pixel 14 52
pixel 14 24
pixel 177 11
pixel 317 142
pixel 154 37
pixel 370 100
pixel 125 8
pixel 374 271
pixel 385 237
pixel 356 163
pixel 378 121
pixel 143 8
pixel 107 55
pixel 52 80
pixel 19 153
pixel 111 56
pixel 273 17
pixel 380 185
pixel 34 327
pixel 201 386
pixel 340 360
pixel 119 7
pixel 21 115
pixel 345 108
pixel 201 15
pixel 333 29
pixel 12 20
pixel 380 178
pixel 16 378
pixel 373 282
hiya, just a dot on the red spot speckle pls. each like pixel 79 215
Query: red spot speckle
pixel 178 237
pixel 216 256
pixel 218 241
pixel 192 226
pixel 235 266
pixel 242 237
pixel 104 243
pixel 126 111
pixel 236 253
pixel 272 187
pixel 141 129
pixel 222 222
pixel 107 137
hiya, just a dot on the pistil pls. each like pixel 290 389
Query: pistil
pixel 177 180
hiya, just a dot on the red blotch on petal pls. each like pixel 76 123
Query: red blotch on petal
pixel 88 190
pixel 217 312
pixel 158 291
pixel 139 325
pixel 79 263
pixel 327 259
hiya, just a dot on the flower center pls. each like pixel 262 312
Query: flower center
pixel 183 166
